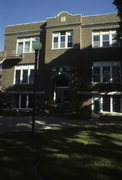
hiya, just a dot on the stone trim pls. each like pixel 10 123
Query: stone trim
pixel 25 92
pixel 23 32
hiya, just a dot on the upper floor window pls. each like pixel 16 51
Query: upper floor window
pixel 106 72
pixel 63 39
pixel 24 45
pixel 24 74
pixel 104 39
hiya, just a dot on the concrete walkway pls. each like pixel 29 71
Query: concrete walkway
pixel 11 123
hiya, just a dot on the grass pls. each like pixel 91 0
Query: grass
pixel 89 153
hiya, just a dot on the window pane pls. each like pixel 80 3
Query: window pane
pixel 96 106
pixel 55 42
pixel 106 37
pixel 96 41
pixel 116 103
pixel 106 103
pixel 115 42
pixel 23 100
pixel 116 73
pixel 105 44
pixel 20 48
pixel 27 46
pixel 105 40
pixel 16 101
pixel 96 74
pixel 17 81
pixel 69 41
pixel 106 74
pixel 30 105
pixel 58 95
pixel 25 76
pixel 31 79
pixel 62 41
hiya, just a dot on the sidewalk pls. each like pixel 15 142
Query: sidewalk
pixel 11 123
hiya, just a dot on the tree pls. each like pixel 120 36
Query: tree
pixel 118 4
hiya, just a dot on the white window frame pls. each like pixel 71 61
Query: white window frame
pixel 111 104
pixel 21 68
pixel 100 99
pixel 100 34
pixel 104 64
pixel 27 102
pixel 24 40
pixel 58 34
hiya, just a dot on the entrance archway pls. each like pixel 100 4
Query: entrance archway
pixel 61 89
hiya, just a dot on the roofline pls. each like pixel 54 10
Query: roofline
pixel 25 23
pixel 57 16
pixel 100 14
pixel 61 13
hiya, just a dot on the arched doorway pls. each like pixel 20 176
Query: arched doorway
pixel 61 89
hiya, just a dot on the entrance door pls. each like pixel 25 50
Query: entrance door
pixel 61 95
pixel 61 90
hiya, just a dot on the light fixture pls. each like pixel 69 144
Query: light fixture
pixel 36 46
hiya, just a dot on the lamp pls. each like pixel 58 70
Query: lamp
pixel 36 46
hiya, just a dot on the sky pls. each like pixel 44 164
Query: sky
pixel 25 11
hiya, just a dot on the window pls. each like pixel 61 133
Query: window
pixel 104 39
pixel 23 101
pixel 107 103
pixel 24 45
pixel 63 18
pixel 111 103
pixel 24 74
pixel 62 40
pixel 106 72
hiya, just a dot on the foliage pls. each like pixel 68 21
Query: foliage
pixel 118 4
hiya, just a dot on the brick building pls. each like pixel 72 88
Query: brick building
pixel 79 66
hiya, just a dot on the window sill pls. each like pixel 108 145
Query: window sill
pixel 28 52
pixel 104 83
pixel 32 52
pixel 24 109
pixel 111 113
pixel 22 83
pixel 106 47
pixel 61 48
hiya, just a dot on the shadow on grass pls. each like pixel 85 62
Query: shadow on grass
pixel 76 153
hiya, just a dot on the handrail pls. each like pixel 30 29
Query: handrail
pixel 8 54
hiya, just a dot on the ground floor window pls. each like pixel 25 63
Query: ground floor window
pixel 107 104
pixel 22 101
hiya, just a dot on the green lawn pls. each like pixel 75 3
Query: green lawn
pixel 90 153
